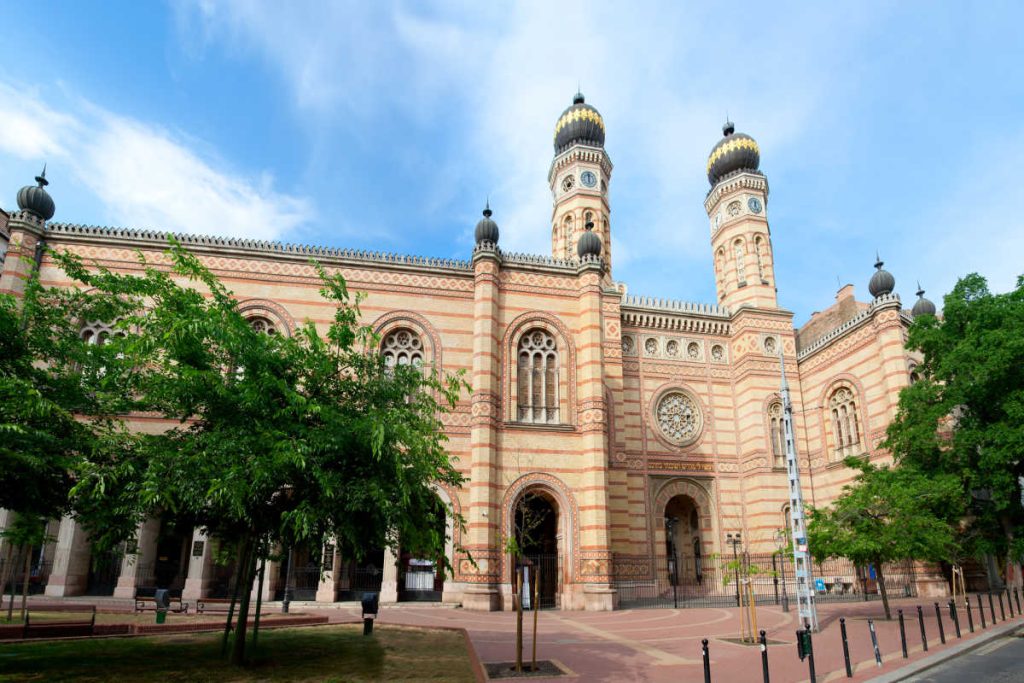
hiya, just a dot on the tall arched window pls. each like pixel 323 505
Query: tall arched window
pixel 843 409
pixel 537 385
pixel 776 433
pixel 741 268
pixel 402 347
pixel 759 251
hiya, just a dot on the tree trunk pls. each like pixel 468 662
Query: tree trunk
pixel 242 623
pixel 240 563
pixel 259 602
pixel 8 573
pixel 881 588
pixel 10 605
pixel 24 583
pixel 519 620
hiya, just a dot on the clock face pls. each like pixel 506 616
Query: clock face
pixel 568 183
pixel 754 204
pixel 588 178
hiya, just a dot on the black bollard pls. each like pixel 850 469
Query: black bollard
pixel 1002 612
pixel 764 657
pixel 970 617
pixel 810 655
pixel 903 634
pixel 367 626
pixel 981 611
pixel 955 617
pixel 707 660
pixel 874 642
pixel 1009 602
pixel 992 608
pixel 938 618
pixel 1016 598
pixel 846 647
pixel 920 620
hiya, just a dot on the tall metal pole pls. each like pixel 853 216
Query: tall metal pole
pixel 806 609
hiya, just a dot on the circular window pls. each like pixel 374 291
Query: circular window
pixel 672 348
pixel 678 418
pixel 651 346
pixel 627 345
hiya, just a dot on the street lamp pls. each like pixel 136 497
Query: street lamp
pixel 287 597
pixel 735 540
pixel 781 537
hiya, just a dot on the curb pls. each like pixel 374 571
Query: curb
pixel 953 652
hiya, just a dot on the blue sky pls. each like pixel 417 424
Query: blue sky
pixel 384 125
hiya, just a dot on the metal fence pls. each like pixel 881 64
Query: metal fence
pixel 38 575
pixel 354 582
pixel 688 581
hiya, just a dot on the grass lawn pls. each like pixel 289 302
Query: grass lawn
pixel 325 653
pixel 147 617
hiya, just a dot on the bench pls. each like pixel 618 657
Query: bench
pixel 210 604
pixel 145 598
pixel 61 628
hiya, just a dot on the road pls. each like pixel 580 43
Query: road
pixel 1001 661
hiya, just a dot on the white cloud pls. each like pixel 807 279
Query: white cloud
pixel 145 176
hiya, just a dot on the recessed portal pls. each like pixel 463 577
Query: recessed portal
pixel 536 533
pixel 683 551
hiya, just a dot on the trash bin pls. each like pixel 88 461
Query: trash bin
pixel 371 604
pixel 162 598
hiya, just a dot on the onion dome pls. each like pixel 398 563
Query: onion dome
pixel 882 282
pixel 734 152
pixel 589 245
pixel 486 229
pixel 579 124
pixel 36 200
pixel 922 306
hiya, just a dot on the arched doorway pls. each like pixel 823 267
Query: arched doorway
pixel 536 530
pixel 421 579
pixel 683 551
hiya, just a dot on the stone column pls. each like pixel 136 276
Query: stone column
pixel 389 582
pixel 327 590
pixel 70 561
pixel 137 568
pixel 200 567
pixel 595 558
pixel 483 515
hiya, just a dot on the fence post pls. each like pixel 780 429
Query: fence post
pixel 981 611
pixel 992 608
pixel 1016 598
pixel 903 634
pixel 920 620
pixel 707 660
pixel 874 642
pixel 764 657
pixel 970 617
pixel 955 617
pixel 1002 612
pixel 775 577
pixel 846 647
pixel 1009 602
pixel 938 617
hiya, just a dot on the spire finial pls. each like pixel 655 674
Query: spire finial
pixel 920 291
pixel 41 178
pixel 878 260
pixel 487 207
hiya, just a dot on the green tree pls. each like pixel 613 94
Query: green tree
pixel 56 393
pixel 281 440
pixel 965 415
pixel 888 514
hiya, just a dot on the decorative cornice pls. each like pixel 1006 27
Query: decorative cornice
pixel 581 152
pixel 646 303
pixel 880 303
pixel 742 179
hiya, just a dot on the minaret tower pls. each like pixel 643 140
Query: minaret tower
pixel 737 206
pixel 579 177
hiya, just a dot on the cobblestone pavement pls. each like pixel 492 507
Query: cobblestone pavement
pixel 665 644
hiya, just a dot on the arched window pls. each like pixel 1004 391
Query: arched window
pixel 263 325
pixel 843 409
pixel 759 251
pixel 776 434
pixel 537 386
pixel 402 347
pixel 568 232
pixel 97 334
pixel 741 268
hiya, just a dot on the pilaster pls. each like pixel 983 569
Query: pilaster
pixel 137 568
pixel 26 234
pixel 70 562
pixel 389 582
pixel 327 590
pixel 200 567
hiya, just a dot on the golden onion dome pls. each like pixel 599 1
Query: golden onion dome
pixel 579 124
pixel 734 152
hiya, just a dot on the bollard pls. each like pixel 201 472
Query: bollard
pixel 1016 598
pixel 846 647
pixel 970 617
pixel 707 660
pixel 1002 612
pixel 981 611
pixel 764 657
pixel 1009 602
pixel 903 634
pixel 920 620
pixel 367 626
pixel 992 608
pixel 874 642
pixel 938 618
pixel 955 617
pixel 810 655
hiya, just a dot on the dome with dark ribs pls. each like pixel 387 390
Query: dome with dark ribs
pixel 734 152
pixel 35 199
pixel 882 282
pixel 589 244
pixel 579 124
pixel 486 229
pixel 922 306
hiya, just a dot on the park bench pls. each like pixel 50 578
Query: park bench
pixel 145 598
pixel 211 604
pixel 61 628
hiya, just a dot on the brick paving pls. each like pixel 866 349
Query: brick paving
pixel 664 644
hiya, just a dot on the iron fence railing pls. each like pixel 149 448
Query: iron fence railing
pixel 38 576
pixel 689 581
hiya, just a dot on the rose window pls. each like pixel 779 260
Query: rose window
pixel 678 418
pixel 402 347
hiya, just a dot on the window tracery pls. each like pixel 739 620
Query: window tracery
pixel 776 433
pixel 845 427
pixel 263 325
pixel 741 268
pixel 678 418
pixel 402 347
pixel 537 387
pixel 758 250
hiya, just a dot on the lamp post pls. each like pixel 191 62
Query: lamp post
pixel 287 597
pixel 673 560
pixel 781 538
pixel 735 540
